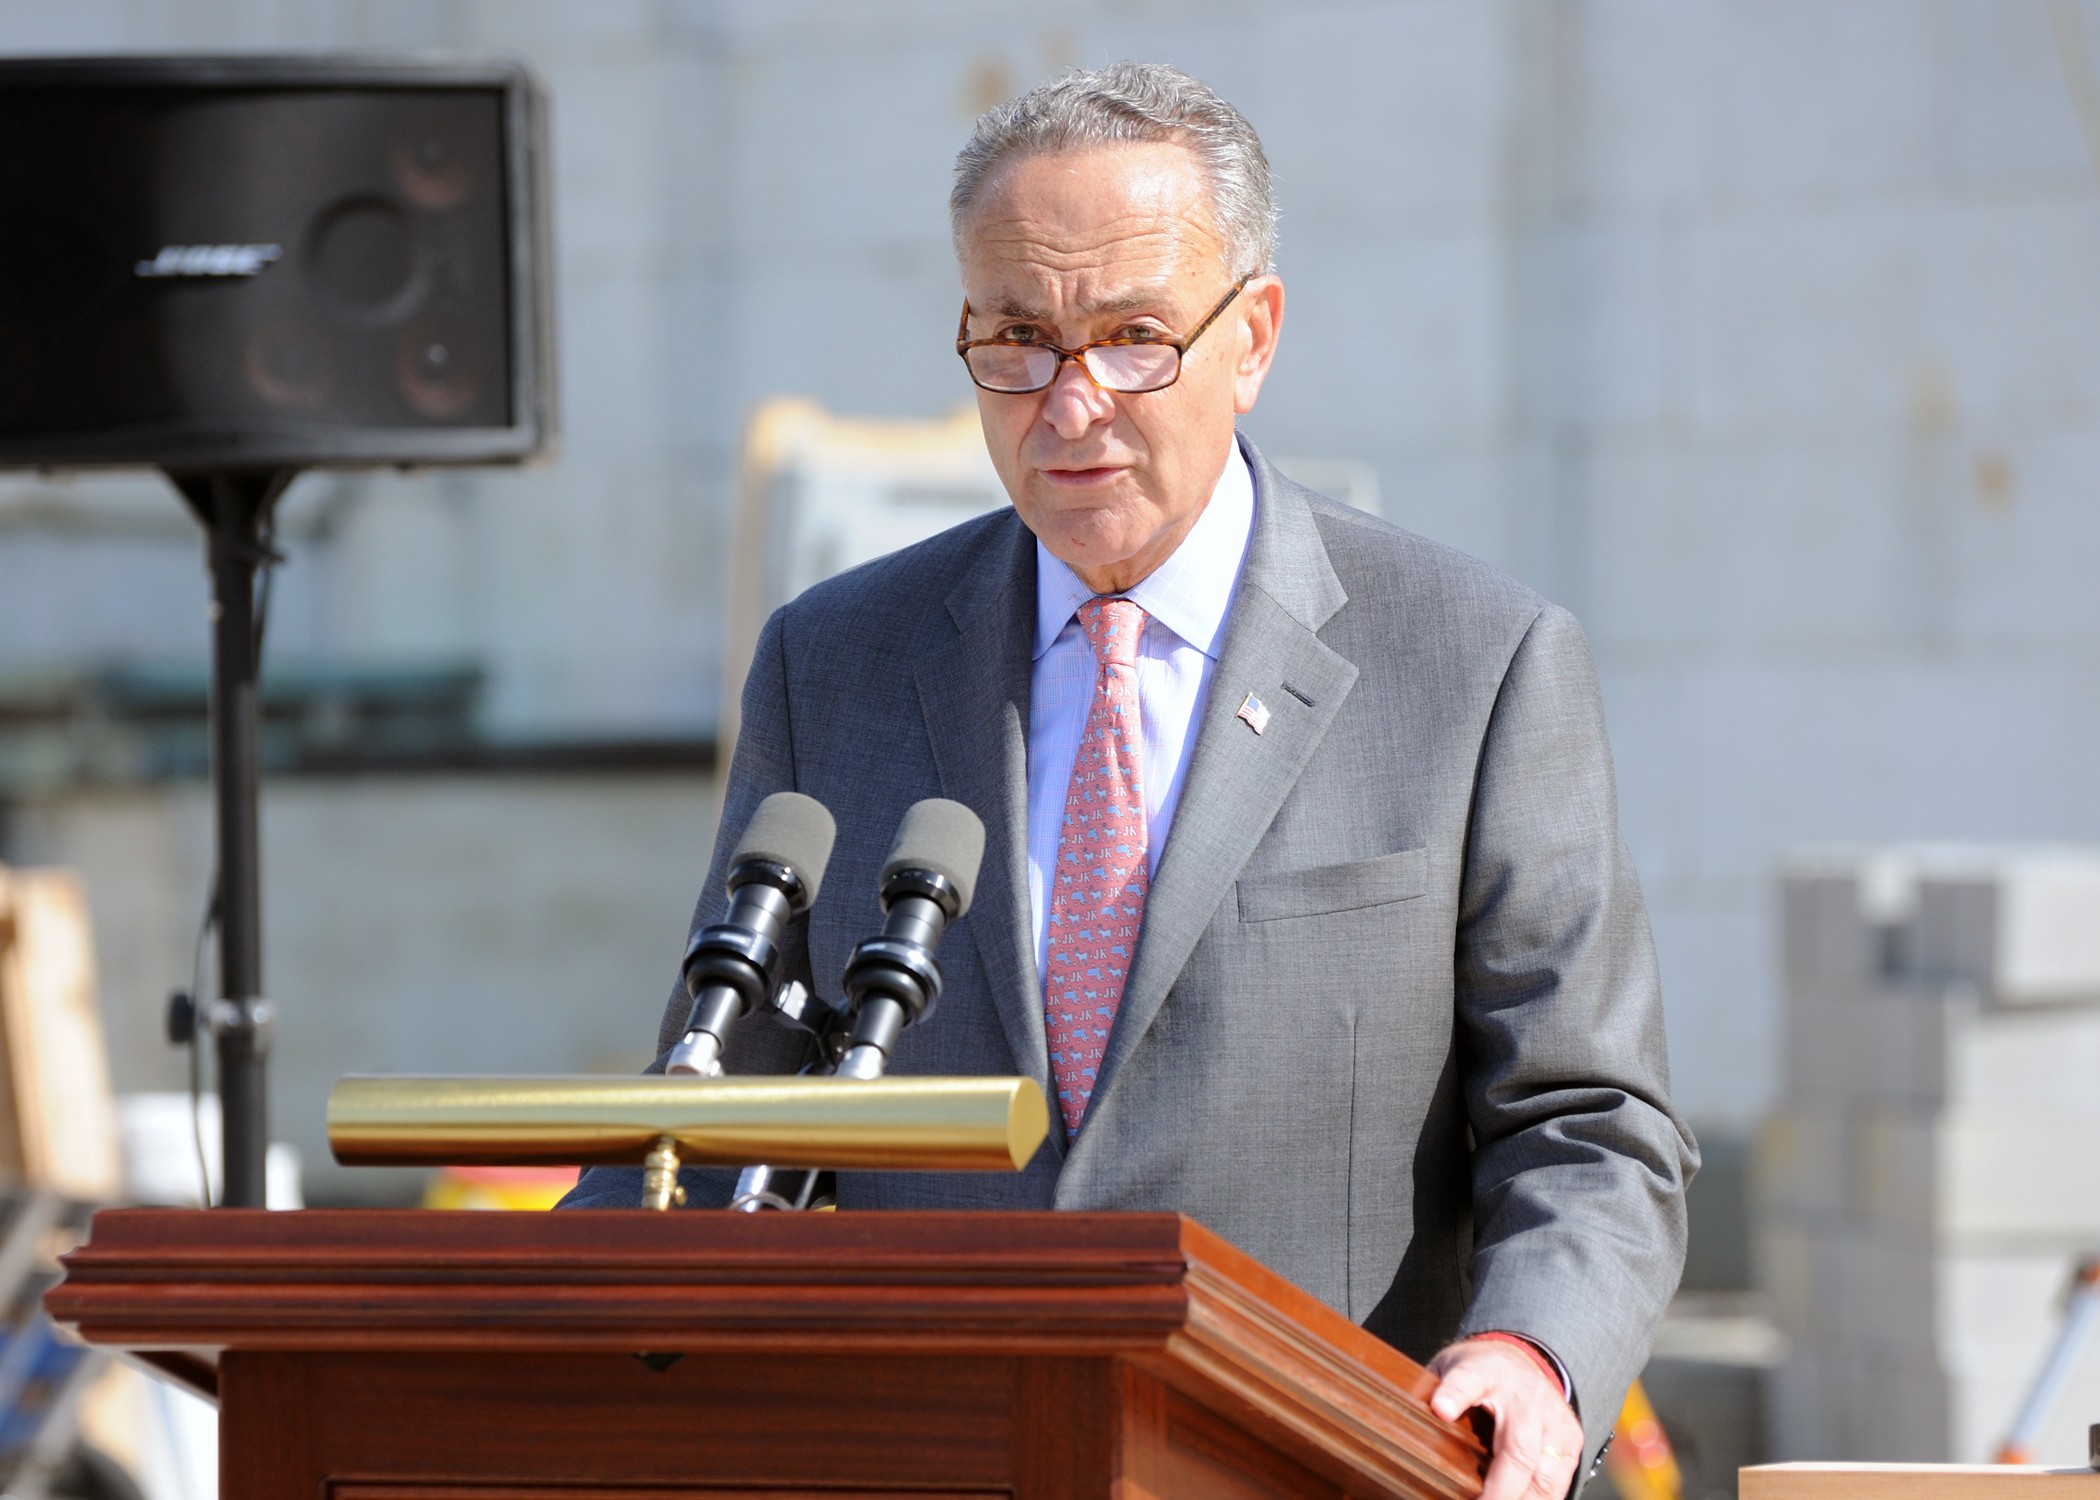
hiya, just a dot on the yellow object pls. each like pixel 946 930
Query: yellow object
pixel 516 1188
pixel 895 1124
pixel 1640 1462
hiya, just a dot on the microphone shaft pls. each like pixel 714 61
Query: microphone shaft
pixel 885 993
pixel 727 976
pixel 759 906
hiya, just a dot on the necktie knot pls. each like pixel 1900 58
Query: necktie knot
pixel 1112 628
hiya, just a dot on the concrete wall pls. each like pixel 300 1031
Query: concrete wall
pixel 1759 331
pixel 1831 443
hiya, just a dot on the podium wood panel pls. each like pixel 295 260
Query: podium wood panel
pixel 427 1356
pixel 1857 1481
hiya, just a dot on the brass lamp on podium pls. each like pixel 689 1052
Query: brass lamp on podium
pixel 893 1124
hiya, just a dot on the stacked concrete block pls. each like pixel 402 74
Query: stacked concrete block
pixel 2027 932
pixel 1933 1172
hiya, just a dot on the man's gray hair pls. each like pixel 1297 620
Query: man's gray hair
pixel 1133 102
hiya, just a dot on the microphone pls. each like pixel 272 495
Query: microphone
pixel 892 980
pixel 735 964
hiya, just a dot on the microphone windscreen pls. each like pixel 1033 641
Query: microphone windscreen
pixel 944 837
pixel 793 830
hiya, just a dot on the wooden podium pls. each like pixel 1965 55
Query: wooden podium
pixel 409 1355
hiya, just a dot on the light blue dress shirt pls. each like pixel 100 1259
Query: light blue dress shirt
pixel 1186 599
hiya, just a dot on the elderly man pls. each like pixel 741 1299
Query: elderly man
pixel 1303 892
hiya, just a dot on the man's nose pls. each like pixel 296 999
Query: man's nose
pixel 1074 403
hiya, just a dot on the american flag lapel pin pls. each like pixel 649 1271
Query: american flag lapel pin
pixel 1254 714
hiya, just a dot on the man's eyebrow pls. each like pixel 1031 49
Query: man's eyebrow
pixel 1124 302
pixel 1121 302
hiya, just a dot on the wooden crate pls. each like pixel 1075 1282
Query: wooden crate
pixel 58 1119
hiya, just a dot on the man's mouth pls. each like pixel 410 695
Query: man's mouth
pixel 1082 478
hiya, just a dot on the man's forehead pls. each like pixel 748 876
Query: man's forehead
pixel 1105 230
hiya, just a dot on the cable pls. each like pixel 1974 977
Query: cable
pixel 265 569
pixel 204 931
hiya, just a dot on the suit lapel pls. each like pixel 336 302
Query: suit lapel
pixel 1238 779
pixel 973 690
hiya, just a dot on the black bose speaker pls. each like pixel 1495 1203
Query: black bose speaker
pixel 267 262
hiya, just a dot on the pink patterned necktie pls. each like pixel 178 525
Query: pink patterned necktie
pixel 1097 898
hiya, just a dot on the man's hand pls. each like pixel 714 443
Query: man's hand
pixel 1538 1442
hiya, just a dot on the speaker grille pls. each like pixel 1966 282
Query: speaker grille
pixel 294 269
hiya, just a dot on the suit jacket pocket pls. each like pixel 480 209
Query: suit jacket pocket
pixel 1365 882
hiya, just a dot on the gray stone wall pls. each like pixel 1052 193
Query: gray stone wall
pixel 1760 333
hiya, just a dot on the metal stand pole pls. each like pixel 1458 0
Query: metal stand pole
pixel 2081 1316
pixel 234 509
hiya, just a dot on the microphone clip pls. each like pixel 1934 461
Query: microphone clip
pixel 830 1024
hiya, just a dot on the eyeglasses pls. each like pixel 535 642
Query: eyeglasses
pixel 1131 366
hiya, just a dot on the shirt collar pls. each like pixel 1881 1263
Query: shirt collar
pixel 1190 592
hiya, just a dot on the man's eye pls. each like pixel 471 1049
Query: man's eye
pixel 1022 335
pixel 1143 335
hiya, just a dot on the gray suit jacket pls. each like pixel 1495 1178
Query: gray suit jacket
pixel 1393 1023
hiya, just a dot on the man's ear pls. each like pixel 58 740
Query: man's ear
pixel 1259 325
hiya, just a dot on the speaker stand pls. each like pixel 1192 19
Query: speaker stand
pixel 234 507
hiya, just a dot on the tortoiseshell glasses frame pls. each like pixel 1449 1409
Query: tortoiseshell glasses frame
pixel 1127 366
